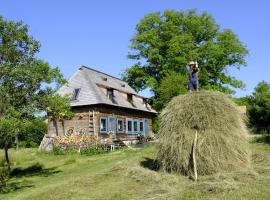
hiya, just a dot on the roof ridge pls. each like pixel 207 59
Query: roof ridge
pixel 103 73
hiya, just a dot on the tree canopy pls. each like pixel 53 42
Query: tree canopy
pixel 166 42
pixel 25 80
pixel 259 102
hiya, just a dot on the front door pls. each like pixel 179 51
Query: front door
pixel 112 125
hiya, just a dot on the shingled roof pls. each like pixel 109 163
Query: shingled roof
pixel 92 84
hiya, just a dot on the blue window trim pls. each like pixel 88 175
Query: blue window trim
pixel 145 126
pixel 106 118
pixel 117 130
pixel 137 126
pixel 128 131
pixel 141 131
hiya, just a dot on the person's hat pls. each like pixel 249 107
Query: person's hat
pixel 193 63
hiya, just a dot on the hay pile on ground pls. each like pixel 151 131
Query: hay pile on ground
pixel 222 136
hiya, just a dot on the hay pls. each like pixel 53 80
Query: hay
pixel 222 136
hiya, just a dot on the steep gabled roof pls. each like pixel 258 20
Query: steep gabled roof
pixel 90 82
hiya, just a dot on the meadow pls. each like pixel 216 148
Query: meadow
pixel 128 174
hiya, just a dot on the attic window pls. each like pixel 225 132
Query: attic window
pixel 144 101
pixel 123 85
pixel 129 97
pixel 104 78
pixel 110 93
pixel 76 93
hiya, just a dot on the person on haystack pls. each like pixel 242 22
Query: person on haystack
pixel 193 82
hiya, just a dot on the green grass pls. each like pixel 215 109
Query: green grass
pixel 126 174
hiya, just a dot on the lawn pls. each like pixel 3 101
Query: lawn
pixel 128 174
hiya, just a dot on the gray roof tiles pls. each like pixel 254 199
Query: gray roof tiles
pixel 90 81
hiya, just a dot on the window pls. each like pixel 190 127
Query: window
pixel 110 93
pixel 103 125
pixel 135 126
pixel 141 127
pixel 129 97
pixel 120 125
pixel 144 101
pixel 129 126
pixel 76 93
pixel 104 78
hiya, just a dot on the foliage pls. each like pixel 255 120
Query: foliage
pixel 25 80
pixel 33 133
pixel 58 108
pixel 58 150
pixel 259 110
pixel 10 125
pixel 173 84
pixel 222 136
pixel 165 42
pixel 241 101
pixel 23 77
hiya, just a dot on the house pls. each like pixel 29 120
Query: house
pixel 103 104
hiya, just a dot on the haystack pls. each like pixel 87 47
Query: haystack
pixel 221 135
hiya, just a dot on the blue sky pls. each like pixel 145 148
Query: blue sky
pixel 97 33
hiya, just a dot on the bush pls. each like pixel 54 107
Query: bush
pixel 222 136
pixel 33 133
pixel 58 151
pixel 4 175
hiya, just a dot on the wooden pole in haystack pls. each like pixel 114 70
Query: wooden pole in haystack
pixel 194 155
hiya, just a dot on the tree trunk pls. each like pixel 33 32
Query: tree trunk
pixel 56 127
pixel 194 156
pixel 63 126
pixel 17 142
pixel 6 152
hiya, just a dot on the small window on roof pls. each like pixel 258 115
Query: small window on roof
pixel 110 93
pixel 123 85
pixel 129 97
pixel 144 101
pixel 76 93
pixel 104 78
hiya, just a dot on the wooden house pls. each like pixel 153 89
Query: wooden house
pixel 103 105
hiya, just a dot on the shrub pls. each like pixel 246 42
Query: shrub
pixel 222 136
pixel 58 151
pixel 4 175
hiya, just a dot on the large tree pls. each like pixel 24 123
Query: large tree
pixel 166 42
pixel 24 79
pixel 259 106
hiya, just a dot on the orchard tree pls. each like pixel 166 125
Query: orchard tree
pixel 58 108
pixel 10 125
pixel 24 79
pixel 165 42
pixel 259 101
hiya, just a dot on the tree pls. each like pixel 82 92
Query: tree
pixel 58 108
pixel 24 79
pixel 259 110
pixel 10 126
pixel 166 42
pixel 171 85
